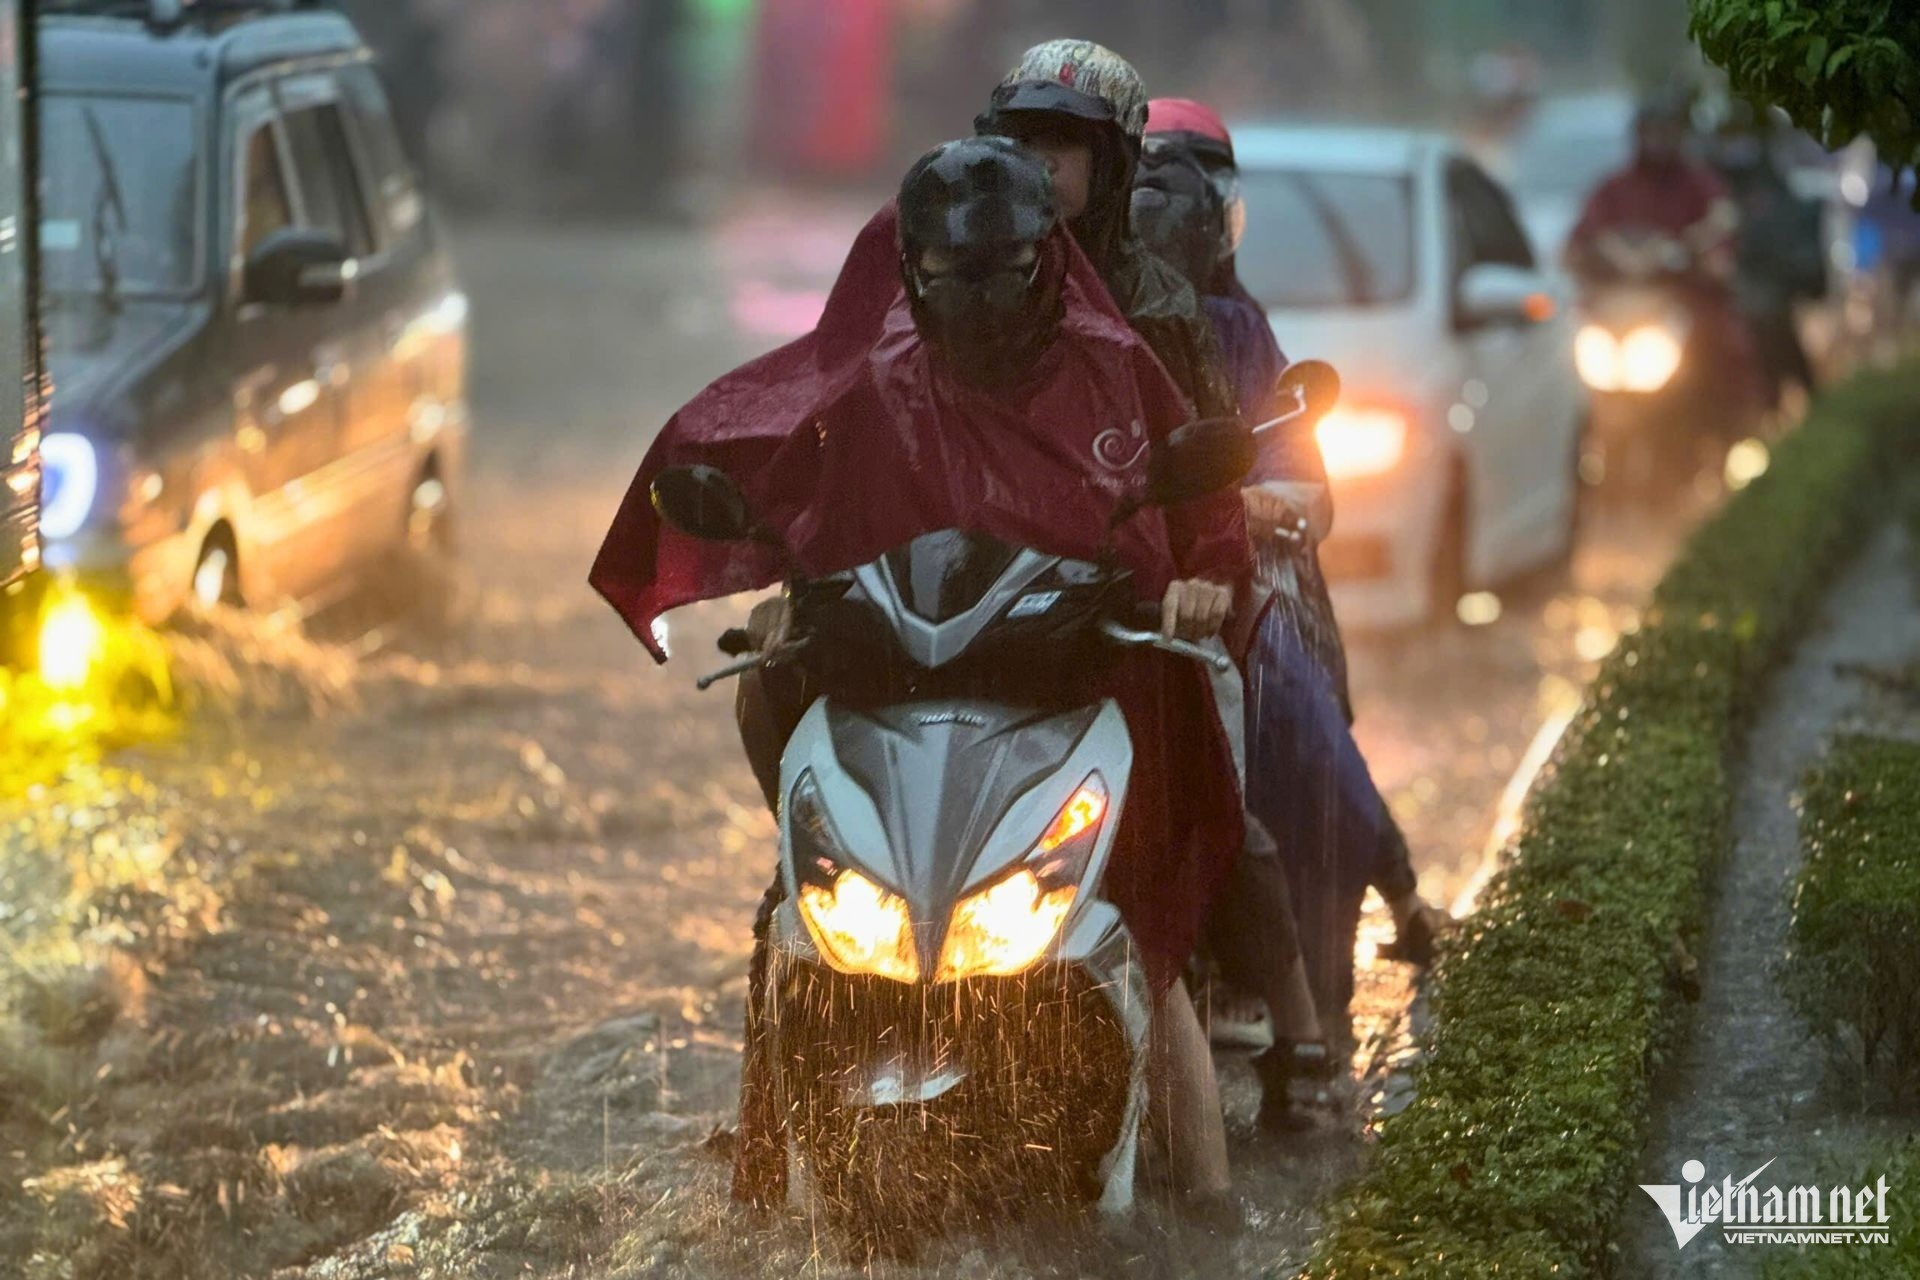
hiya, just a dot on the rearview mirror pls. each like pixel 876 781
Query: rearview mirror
pixel 1313 385
pixel 297 267
pixel 1494 293
pixel 1198 459
pixel 703 503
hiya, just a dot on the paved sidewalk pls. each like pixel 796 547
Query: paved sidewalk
pixel 1746 1086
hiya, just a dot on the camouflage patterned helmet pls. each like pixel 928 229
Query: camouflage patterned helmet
pixel 1077 78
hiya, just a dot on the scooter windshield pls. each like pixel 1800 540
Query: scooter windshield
pixel 941 576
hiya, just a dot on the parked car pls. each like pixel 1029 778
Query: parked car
pixel 1568 146
pixel 20 400
pixel 1455 454
pixel 256 340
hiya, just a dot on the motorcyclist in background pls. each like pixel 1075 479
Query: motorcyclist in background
pixel 1307 782
pixel 1667 218
pixel 971 372
pixel 1083 109
pixel 1782 257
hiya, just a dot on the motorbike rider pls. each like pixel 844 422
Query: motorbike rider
pixel 971 372
pixel 1668 218
pixel 1307 781
pixel 1083 109
pixel 1782 258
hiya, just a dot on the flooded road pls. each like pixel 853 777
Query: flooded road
pixel 432 961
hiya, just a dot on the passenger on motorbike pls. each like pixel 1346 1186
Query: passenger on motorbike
pixel 1307 782
pixel 1083 109
pixel 970 372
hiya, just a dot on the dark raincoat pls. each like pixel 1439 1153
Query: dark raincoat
pixel 854 440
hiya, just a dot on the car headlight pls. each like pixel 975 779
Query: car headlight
pixel 1007 927
pixel 1360 440
pixel 69 483
pixel 859 926
pixel 1649 358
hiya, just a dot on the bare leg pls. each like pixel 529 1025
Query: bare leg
pixel 1186 1097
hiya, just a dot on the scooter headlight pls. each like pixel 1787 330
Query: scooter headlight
pixel 1649 358
pixel 859 926
pixel 1007 927
pixel 1596 353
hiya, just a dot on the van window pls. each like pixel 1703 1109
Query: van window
pixel 268 208
pixel 392 189
pixel 329 187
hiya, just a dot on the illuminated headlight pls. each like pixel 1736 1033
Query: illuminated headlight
pixel 859 926
pixel 69 483
pixel 1006 928
pixel 1649 358
pixel 1359 441
pixel 1596 353
pixel 1644 361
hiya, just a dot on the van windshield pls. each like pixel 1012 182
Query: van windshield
pixel 120 198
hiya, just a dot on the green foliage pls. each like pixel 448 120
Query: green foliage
pixel 1558 1002
pixel 1856 913
pixel 1842 69
pixel 1900 1256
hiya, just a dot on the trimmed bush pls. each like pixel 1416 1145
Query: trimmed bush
pixel 1556 1005
pixel 1856 913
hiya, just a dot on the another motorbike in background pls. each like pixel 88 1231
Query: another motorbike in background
pixel 1669 396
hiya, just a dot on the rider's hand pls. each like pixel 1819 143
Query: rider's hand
pixel 770 623
pixel 1269 514
pixel 1194 609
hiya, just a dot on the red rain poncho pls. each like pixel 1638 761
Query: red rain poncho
pixel 851 441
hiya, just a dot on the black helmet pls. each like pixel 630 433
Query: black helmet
pixel 978 193
pixel 991 305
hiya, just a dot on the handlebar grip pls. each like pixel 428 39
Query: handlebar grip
pixel 736 642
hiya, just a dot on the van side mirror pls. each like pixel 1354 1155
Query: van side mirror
pixel 298 267
pixel 1493 293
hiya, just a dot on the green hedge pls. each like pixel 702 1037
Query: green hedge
pixel 1548 1018
pixel 1900 1256
pixel 1856 913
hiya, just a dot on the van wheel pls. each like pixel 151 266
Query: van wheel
pixel 424 574
pixel 1448 580
pixel 216 575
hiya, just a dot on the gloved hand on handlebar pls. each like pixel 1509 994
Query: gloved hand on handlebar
pixel 1194 609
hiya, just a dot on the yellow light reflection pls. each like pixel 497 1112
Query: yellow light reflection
pixel 1479 609
pixel 1003 930
pixel 861 928
pixel 1747 461
pixel 71 643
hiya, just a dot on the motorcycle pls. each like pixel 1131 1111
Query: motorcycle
pixel 951 1013
pixel 1661 407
